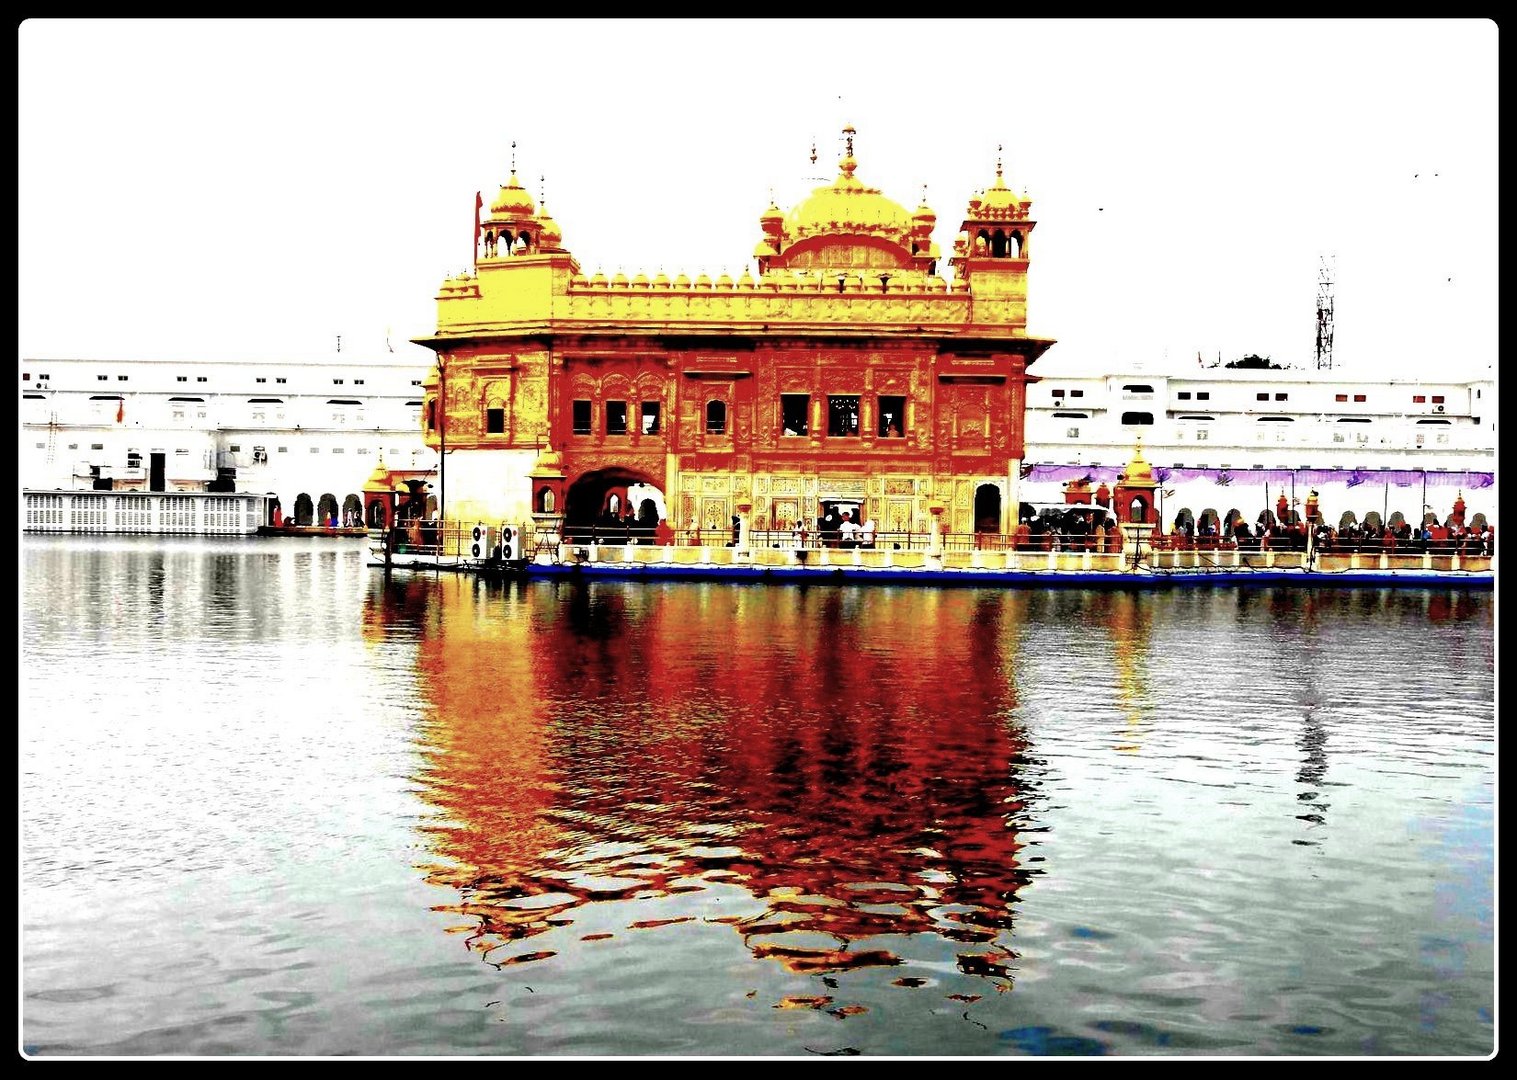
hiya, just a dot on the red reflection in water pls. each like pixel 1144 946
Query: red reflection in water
pixel 843 755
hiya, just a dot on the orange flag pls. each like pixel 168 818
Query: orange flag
pixel 120 409
pixel 479 204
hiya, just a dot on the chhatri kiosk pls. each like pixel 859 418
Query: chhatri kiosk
pixel 841 369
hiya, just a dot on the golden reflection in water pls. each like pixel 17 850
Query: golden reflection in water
pixel 1130 620
pixel 845 756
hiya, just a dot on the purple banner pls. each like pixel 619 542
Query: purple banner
pixel 1097 474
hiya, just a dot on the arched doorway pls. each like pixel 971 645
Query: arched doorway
pixel 326 510
pixel 352 510
pixel 987 508
pixel 587 502
pixel 304 509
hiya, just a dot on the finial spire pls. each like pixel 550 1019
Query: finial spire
pixel 848 164
pixel 542 188
pixel 998 161
pixel 513 157
pixel 813 149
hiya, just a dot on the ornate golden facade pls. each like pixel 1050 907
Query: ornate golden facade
pixel 847 368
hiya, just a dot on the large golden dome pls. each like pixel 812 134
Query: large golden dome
pixel 848 206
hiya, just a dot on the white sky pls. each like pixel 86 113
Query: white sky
pixel 252 189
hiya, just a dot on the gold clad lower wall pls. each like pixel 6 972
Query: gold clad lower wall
pixel 898 502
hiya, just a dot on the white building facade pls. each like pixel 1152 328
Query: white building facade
pixel 308 433
pixel 1226 439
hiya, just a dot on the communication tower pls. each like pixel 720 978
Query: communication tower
pixel 1325 314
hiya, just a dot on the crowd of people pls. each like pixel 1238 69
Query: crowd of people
pixel 1269 533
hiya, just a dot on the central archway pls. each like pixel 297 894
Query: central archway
pixel 615 504
pixel 987 509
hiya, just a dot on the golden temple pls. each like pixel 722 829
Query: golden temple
pixel 841 366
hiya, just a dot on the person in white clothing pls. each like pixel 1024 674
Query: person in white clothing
pixel 849 530
pixel 866 533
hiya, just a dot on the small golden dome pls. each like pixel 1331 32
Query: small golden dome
pixel 430 379
pixel 379 479
pixel 550 235
pixel 702 281
pixel 1000 197
pixel 549 463
pixel 725 281
pixel 1138 469
pixel 620 280
pixel 681 282
pixel 640 280
pixel 513 201
pixel 773 215
pixel 598 279
pixel 661 280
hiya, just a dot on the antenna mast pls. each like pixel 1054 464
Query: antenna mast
pixel 1325 314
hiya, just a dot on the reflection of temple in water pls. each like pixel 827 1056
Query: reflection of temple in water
pixel 649 741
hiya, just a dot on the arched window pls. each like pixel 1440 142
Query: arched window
pixel 998 245
pixel 545 500
pixel 1137 510
pixel 1014 245
pixel 716 417
pixel 431 414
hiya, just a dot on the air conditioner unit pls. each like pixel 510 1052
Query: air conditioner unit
pixel 479 541
pixel 510 543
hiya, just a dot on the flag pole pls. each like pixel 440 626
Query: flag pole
pixel 479 204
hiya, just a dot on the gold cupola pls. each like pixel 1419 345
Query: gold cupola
pixel 922 223
pixel 1135 492
pixel 772 225
pixel 1138 470
pixel 550 236
pixel 992 248
pixel 511 228
pixel 512 202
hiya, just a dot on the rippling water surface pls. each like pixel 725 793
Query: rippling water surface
pixel 274 805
